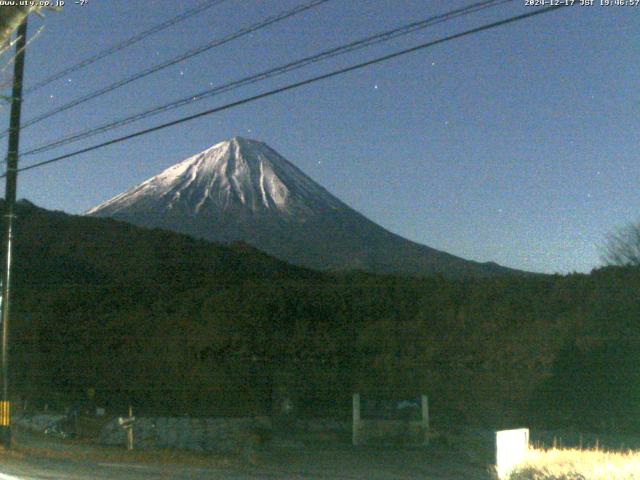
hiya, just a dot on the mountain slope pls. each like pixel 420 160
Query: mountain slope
pixel 243 190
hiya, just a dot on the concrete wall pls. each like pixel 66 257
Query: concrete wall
pixel 196 434
pixel 322 425
pixel 36 422
pixel 391 432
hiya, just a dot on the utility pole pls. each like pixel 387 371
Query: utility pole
pixel 10 203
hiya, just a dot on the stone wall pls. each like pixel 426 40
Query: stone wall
pixel 196 434
pixel 392 432
pixel 36 422
pixel 199 434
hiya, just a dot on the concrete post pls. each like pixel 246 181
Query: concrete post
pixel 130 431
pixel 424 402
pixel 511 449
pixel 356 419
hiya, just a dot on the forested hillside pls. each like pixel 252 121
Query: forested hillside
pixel 177 325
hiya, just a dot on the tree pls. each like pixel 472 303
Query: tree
pixel 623 246
pixel 10 18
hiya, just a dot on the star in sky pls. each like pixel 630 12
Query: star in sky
pixel 488 95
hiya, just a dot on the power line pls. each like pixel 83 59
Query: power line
pixel 270 73
pixel 296 85
pixel 126 43
pixel 180 58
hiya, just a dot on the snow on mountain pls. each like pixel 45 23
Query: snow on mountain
pixel 243 190
pixel 238 173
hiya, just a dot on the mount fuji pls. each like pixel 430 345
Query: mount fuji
pixel 243 190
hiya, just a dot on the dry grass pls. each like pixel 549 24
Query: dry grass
pixel 574 464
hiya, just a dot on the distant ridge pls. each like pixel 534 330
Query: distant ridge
pixel 243 190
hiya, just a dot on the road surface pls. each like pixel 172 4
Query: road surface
pixel 339 464
pixel 44 458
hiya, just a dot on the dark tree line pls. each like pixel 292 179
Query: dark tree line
pixel 177 325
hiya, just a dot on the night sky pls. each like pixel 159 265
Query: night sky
pixel 518 145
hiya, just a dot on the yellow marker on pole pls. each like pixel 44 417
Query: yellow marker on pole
pixel 5 413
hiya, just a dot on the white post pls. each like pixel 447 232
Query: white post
pixel 511 449
pixel 356 419
pixel 130 431
pixel 425 417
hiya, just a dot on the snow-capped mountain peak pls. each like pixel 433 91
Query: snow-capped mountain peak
pixel 235 174
pixel 243 190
